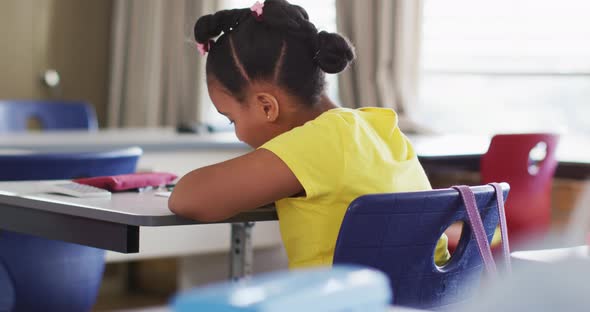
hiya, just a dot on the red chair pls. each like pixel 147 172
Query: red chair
pixel 527 162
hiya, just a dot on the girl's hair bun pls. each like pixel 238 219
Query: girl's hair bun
pixel 334 52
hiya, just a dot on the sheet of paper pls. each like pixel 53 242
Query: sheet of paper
pixel 163 194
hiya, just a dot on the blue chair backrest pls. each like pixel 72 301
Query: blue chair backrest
pixel 52 115
pixel 70 165
pixel 397 234
pixel 337 289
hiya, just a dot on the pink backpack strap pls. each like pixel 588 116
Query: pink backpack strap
pixel 503 226
pixel 477 228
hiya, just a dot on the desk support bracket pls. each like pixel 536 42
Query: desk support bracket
pixel 241 254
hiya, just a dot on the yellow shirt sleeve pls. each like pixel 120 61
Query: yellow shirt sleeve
pixel 314 153
pixel 441 253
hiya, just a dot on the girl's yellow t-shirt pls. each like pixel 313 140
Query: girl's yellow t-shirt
pixel 337 157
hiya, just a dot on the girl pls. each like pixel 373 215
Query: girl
pixel 265 73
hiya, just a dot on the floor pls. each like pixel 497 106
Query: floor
pixel 132 286
pixel 132 302
pixel 148 285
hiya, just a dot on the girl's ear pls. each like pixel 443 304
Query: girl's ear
pixel 268 106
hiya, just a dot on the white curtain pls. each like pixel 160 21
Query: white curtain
pixel 157 75
pixel 387 36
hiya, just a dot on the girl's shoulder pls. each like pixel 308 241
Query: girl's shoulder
pixel 365 116
pixel 339 123
pixel 359 113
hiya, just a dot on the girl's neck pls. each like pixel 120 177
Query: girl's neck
pixel 326 104
pixel 306 115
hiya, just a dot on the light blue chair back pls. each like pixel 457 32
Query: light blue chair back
pixel 52 115
pixel 338 289
pixel 397 234
pixel 38 274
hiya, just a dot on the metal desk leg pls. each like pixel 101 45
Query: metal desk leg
pixel 241 250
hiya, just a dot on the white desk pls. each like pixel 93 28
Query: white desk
pixel 552 255
pixel 571 149
pixel 109 223
pixel 150 139
pixel 463 152
pixel 449 151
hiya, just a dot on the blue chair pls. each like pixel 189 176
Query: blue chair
pixel 52 115
pixel 70 165
pixel 397 234
pixel 341 288
pixel 38 274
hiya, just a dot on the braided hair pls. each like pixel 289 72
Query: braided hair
pixel 281 46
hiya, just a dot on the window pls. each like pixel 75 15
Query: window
pixel 506 66
pixel 321 13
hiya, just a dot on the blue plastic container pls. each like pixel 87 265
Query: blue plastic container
pixel 341 288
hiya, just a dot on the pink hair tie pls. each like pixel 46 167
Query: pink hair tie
pixel 204 47
pixel 257 10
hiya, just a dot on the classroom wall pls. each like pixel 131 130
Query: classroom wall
pixel 16 48
pixel 71 36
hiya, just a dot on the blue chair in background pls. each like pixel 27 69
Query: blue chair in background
pixel 341 288
pixel 70 165
pixel 15 115
pixel 38 274
pixel 397 234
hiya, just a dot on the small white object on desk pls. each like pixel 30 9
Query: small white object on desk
pixel 12 151
pixel 163 194
pixel 551 255
pixel 78 190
